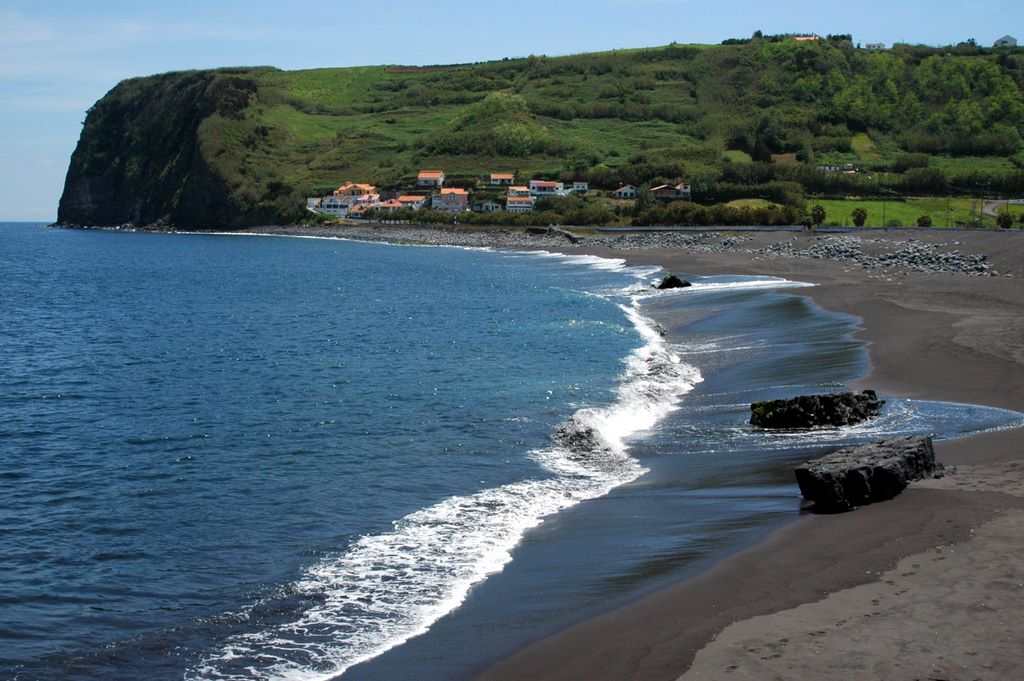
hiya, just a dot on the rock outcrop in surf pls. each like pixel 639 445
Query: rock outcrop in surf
pixel 856 476
pixel 673 281
pixel 816 411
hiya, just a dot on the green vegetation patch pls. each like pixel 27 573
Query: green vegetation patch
pixel 951 212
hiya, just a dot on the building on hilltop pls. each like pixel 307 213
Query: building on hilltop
pixel 502 179
pixel 430 178
pixel 874 46
pixel 451 201
pixel 806 38
pixel 1006 41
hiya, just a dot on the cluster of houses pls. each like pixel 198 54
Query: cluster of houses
pixel 354 200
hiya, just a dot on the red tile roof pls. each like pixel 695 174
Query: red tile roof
pixel 430 174
pixel 362 188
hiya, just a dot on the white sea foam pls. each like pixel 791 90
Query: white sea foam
pixel 710 285
pixel 387 588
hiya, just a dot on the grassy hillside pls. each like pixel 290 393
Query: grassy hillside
pixel 749 120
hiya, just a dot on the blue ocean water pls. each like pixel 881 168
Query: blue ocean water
pixel 247 457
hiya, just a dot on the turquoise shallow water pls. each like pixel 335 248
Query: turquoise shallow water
pixel 228 457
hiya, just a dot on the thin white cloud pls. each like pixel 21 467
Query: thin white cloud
pixel 17 29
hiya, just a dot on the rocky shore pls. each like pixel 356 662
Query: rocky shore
pixel 931 252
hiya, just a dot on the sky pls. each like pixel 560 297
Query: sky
pixel 57 57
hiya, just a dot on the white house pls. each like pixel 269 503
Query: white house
pixel 580 186
pixel 451 201
pixel 334 205
pixel 412 201
pixel 487 207
pixel 519 192
pixel 671 191
pixel 390 206
pixel 369 200
pixel 542 188
pixel 502 179
pixel 430 178
pixel 519 204
pixel 625 192
pixel 1006 41
pixel 313 203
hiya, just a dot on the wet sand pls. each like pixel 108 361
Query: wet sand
pixel 828 596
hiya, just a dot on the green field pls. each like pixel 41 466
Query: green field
pixel 944 212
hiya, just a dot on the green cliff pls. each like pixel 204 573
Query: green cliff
pixel 235 147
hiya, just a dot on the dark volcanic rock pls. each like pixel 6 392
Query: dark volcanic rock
pixel 855 476
pixel 672 281
pixel 815 411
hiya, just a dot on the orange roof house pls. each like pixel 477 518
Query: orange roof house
pixel 355 189
pixel 391 205
pixel 519 204
pixel 430 178
pixel 412 201
pixel 502 179
pixel 451 200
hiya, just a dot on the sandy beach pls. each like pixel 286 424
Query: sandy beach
pixel 924 586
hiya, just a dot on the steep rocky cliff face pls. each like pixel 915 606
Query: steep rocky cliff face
pixel 141 160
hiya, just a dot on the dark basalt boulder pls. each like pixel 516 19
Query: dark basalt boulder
pixel 855 476
pixel 816 411
pixel 672 281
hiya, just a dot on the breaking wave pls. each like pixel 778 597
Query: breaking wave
pixel 387 588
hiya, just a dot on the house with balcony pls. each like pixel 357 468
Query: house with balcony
pixel 519 204
pixel 519 192
pixel 451 201
pixel 334 205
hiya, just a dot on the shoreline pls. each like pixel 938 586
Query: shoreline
pixel 937 336
pixel 931 336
